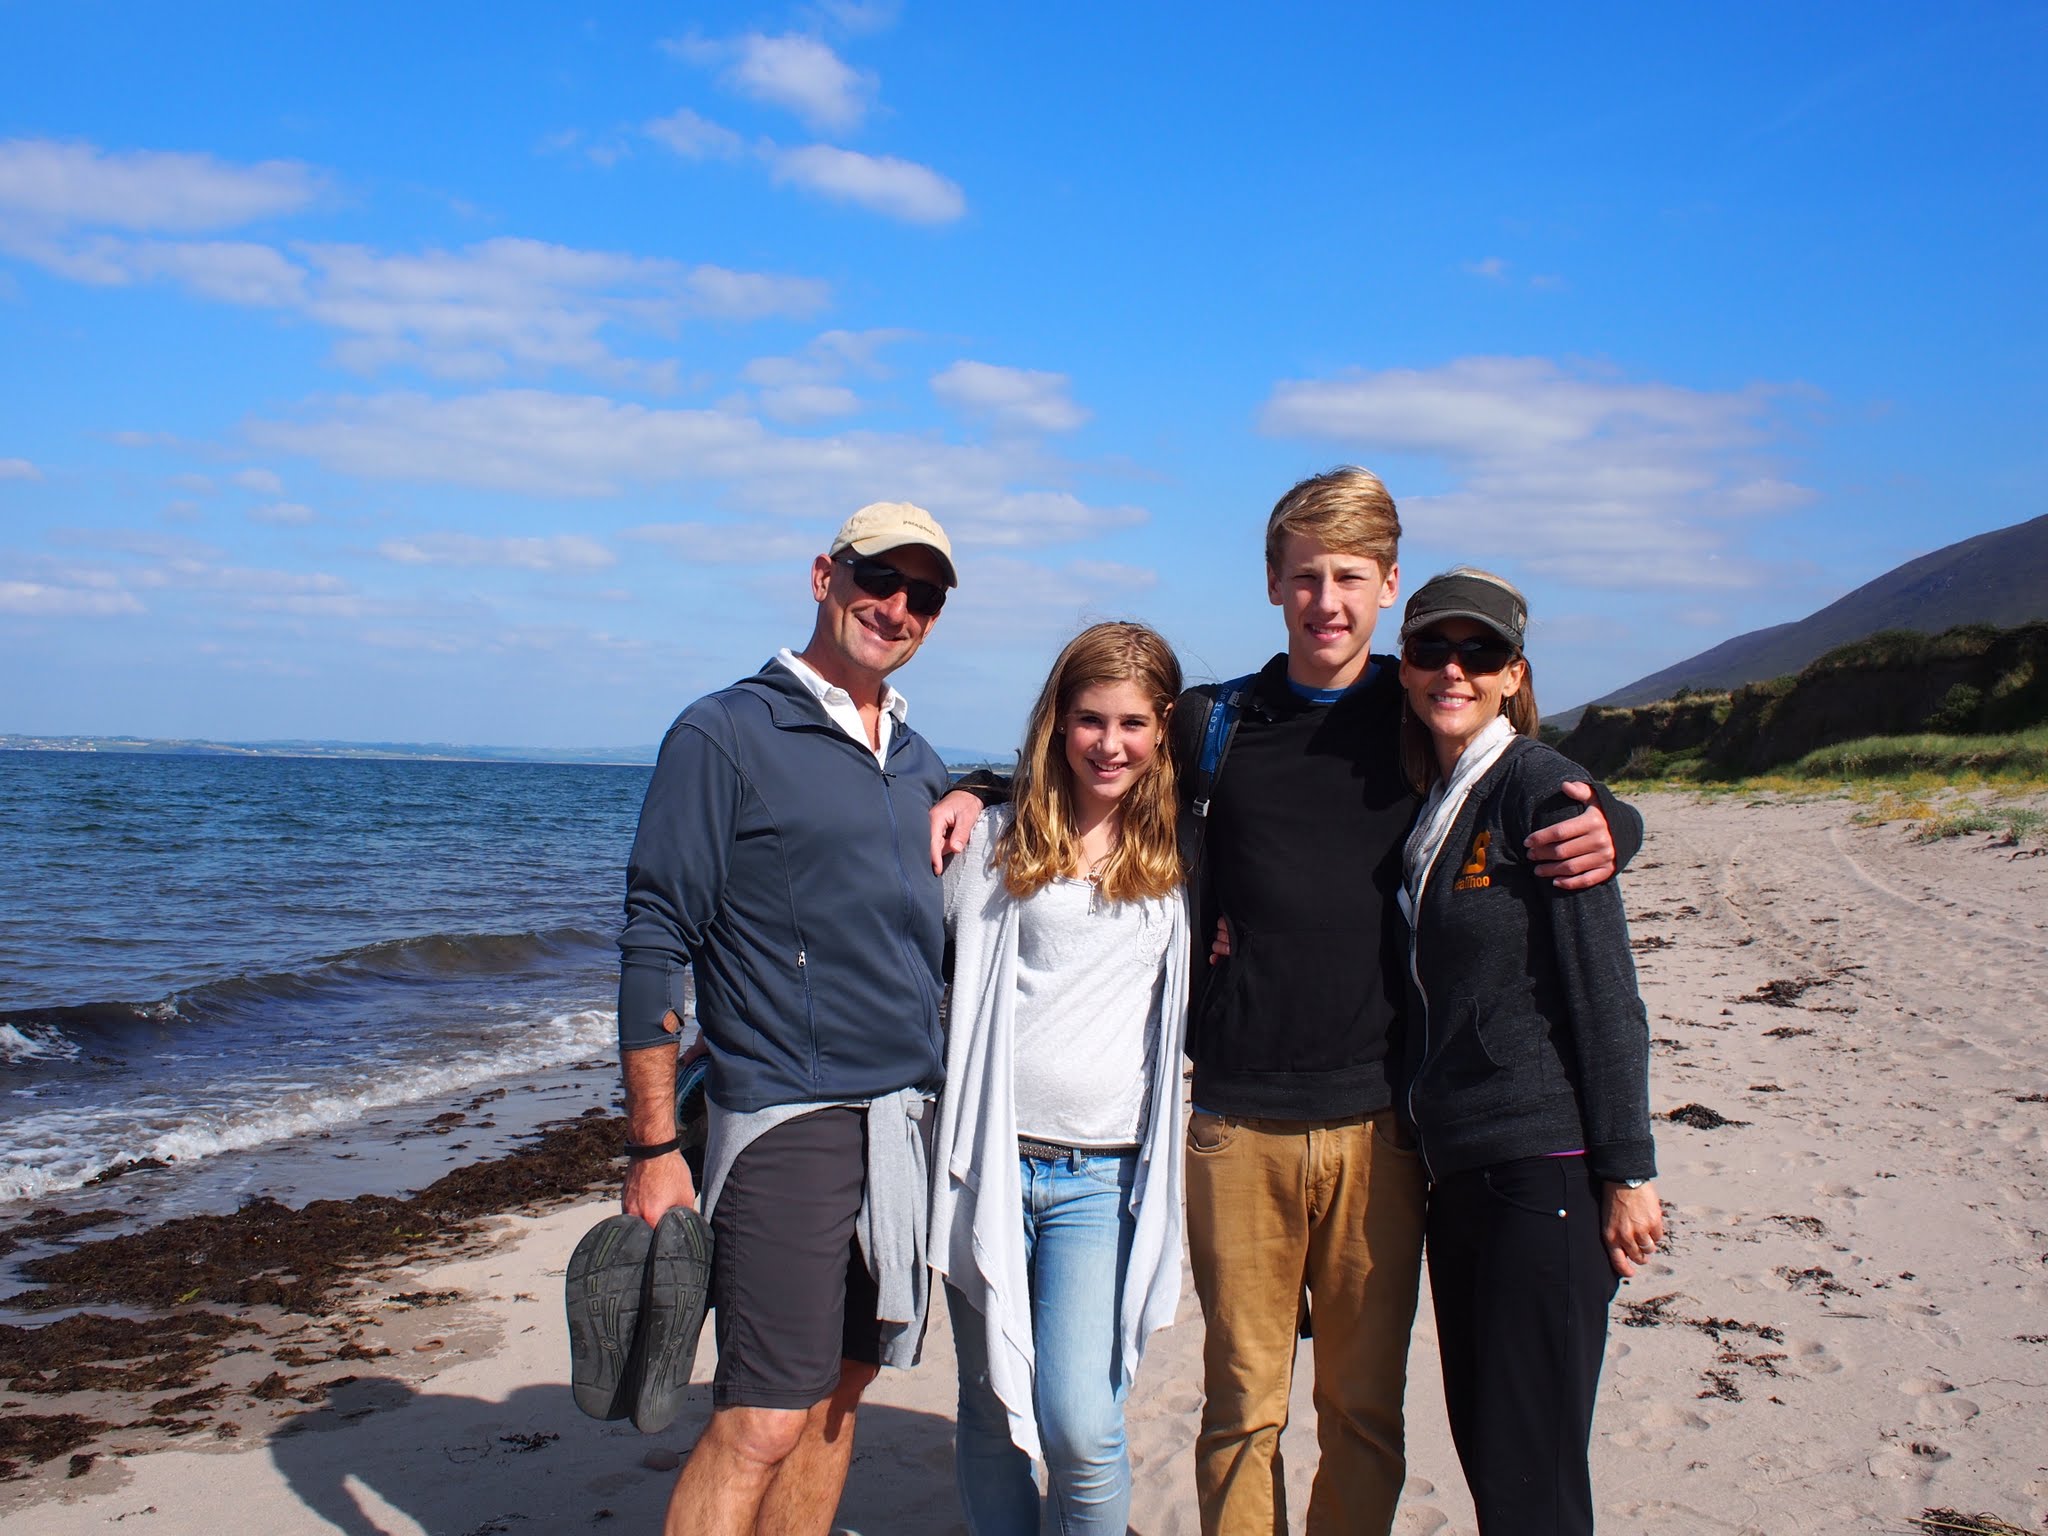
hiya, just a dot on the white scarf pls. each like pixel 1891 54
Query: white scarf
pixel 1440 809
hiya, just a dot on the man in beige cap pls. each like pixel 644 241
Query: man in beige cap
pixel 781 858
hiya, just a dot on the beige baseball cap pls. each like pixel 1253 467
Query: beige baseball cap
pixel 886 525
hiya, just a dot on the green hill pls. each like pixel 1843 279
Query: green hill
pixel 1998 578
pixel 1971 680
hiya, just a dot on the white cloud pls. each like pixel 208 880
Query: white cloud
pixel 1018 604
pixel 34 599
pixel 860 16
pixel 264 482
pixel 1769 494
pixel 694 137
pixel 252 582
pixel 19 469
pixel 284 514
pixel 1585 476
pixel 806 77
pixel 730 543
pixel 467 314
pixel 533 442
pixel 231 271
pixel 129 541
pixel 606 151
pixel 807 386
pixel 793 403
pixel 168 568
pixel 558 552
pixel 898 189
pixel 727 295
pixel 50 185
pixel 1020 399
pixel 793 71
pixel 1110 573
pixel 1494 269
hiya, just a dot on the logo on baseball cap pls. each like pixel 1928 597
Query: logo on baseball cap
pixel 886 525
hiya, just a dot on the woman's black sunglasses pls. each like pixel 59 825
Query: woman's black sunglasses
pixel 1475 653
pixel 877 579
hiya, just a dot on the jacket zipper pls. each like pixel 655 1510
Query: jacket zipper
pixel 912 958
pixel 1415 973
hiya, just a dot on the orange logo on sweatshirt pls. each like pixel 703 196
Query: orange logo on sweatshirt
pixel 1472 875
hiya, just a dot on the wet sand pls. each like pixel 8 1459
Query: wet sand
pixel 1849 1328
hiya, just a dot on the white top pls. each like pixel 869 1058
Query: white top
pixel 1088 990
pixel 977 1228
pixel 844 712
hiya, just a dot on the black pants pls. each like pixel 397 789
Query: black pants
pixel 1522 1285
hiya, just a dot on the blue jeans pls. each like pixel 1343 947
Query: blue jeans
pixel 1077 1243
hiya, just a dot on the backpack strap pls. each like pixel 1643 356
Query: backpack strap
pixel 1231 698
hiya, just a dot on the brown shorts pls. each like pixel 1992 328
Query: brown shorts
pixel 793 1293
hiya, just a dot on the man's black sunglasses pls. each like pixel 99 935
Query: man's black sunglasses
pixel 1475 653
pixel 877 579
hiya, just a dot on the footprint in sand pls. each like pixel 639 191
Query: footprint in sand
pixel 1814 1359
pixel 1945 1412
pixel 1666 1515
pixel 1654 1430
pixel 1938 1402
pixel 1907 1461
pixel 1419 1519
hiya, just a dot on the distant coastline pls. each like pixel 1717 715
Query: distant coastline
pixel 434 751
pixel 400 751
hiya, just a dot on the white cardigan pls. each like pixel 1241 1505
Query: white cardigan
pixel 977 1229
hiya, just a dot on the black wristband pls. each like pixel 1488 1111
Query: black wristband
pixel 659 1149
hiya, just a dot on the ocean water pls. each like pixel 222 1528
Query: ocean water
pixel 204 955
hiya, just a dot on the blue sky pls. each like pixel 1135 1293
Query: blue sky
pixel 489 373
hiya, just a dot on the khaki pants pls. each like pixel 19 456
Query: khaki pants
pixel 1335 1206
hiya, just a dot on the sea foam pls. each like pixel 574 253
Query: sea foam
pixel 45 1154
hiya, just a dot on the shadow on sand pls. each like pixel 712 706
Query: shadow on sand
pixel 382 1457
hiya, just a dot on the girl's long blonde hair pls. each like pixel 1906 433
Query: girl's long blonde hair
pixel 1040 844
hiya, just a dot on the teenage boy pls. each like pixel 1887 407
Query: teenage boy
pixel 781 857
pixel 1300 1186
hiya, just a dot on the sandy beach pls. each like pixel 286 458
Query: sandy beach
pixel 1849 1327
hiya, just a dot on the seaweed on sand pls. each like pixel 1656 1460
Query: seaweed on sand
pixel 265 1253
pixel 87 1352
pixel 43 1437
pixel 1701 1118
pixel 1946 1521
pixel 268 1253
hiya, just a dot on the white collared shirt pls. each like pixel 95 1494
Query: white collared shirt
pixel 840 706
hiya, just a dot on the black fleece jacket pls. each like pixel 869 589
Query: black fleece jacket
pixel 1301 850
pixel 1526 1033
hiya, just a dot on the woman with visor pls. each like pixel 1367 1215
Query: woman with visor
pixel 1525 1072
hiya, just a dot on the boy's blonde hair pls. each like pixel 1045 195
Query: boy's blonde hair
pixel 1346 509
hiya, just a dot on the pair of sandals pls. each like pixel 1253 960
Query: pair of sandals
pixel 637 1296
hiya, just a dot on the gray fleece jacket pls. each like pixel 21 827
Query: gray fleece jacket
pixel 786 867
pixel 1525 1033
